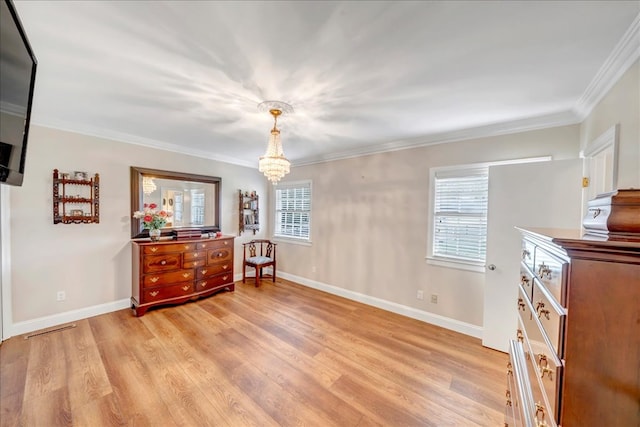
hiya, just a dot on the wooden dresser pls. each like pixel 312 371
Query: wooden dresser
pixel 176 271
pixel 576 361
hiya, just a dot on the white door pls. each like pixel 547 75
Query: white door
pixel 545 194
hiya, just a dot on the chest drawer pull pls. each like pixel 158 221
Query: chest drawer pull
pixel 508 395
pixel 154 293
pixel 543 365
pixel 225 277
pixel 540 415
pixel 154 249
pixel 154 279
pixel 204 271
pixel 542 311
pixel 203 284
pixel 163 262
pixel 526 255
pixel 524 280
pixel 520 336
pixel 544 270
pixel 186 288
pixel 521 305
pixel 185 275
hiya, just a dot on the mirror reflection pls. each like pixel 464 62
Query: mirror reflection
pixel 192 200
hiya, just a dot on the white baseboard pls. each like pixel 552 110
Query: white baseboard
pixel 414 313
pixel 66 317
pixel 83 313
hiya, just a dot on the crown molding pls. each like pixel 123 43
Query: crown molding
pixel 144 142
pixel 563 118
pixel 623 56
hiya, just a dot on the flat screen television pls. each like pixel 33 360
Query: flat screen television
pixel 17 80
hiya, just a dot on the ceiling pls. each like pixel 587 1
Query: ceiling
pixel 362 76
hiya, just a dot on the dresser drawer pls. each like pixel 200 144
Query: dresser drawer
pixel 219 254
pixel 188 256
pixel 546 369
pixel 163 248
pixel 151 280
pixel 166 292
pixel 551 316
pixel 213 269
pixel 552 273
pixel 213 282
pixel 216 244
pixel 157 263
pixel 195 263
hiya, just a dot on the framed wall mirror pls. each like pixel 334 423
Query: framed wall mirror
pixel 193 200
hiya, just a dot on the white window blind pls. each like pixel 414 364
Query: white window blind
pixel 293 210
pixel 460 214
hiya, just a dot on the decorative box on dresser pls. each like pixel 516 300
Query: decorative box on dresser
pixel 576 360
pixel 176 271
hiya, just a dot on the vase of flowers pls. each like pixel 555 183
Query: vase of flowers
pixel 152 219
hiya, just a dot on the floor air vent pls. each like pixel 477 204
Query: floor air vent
pixel 49 331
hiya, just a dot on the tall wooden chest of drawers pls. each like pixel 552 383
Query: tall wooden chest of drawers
pixel 174 271
pixel 576 361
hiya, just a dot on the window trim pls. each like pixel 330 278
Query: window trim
pixel 292 239
pixel 451 262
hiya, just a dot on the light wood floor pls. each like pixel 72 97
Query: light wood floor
pixel 281 354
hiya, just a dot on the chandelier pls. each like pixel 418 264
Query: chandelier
pixel 148 186
pixel 274 164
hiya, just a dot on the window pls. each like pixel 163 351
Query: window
pixel 197 207
pixel 293 211
pixel 460 201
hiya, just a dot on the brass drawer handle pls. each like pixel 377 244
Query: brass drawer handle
pixel 163 262
pixel 185 288
pixel 226 243
pixel 203 284
pixel 526 254
pixel 542 311
pixel 543 365
pixel 185 275
pixel 153 249
pixel 224 267
pixel 540 416
pixel 154 279
pixel 544 270
pixel 219 254
pixel 224 277
pixel 154 293
pixel 195 255
pixel 520 336
pixel 509 369
pixel 521 305
pixel 203 271
pixel 187 247
pixel 524 280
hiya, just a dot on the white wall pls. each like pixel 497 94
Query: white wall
pixel 92 262
pixel 369 222
pixel 621 105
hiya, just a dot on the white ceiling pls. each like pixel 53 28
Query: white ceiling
pixel 362 76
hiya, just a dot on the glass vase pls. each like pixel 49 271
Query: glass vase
pixel 154 234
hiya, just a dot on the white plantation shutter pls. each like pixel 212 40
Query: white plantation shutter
pixel 460 214
pixel 293 210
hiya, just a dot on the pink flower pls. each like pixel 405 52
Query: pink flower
pixel 163 214
pixel 148 218
pixel 152 206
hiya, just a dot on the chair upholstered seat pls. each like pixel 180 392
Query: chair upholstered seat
pixel 259 260
pixel 258 253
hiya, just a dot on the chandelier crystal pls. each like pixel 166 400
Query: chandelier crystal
pixel 148 186
pixel 274 164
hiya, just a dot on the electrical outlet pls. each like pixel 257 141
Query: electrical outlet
pixel 434 299
pixel 420 295
pixel 61 296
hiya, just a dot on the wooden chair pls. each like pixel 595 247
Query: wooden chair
pixel 258 253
